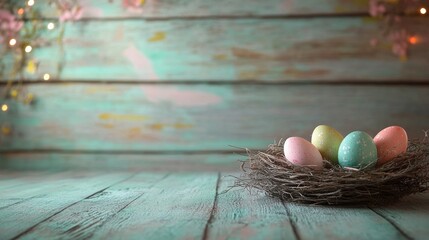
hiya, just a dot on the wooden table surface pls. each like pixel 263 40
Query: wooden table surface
pixel 193 205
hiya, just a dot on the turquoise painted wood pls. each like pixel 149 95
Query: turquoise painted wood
pixel 123 117
pixel 202 8
pixel 20 217
pixel 359 222
pixel 290 50
pixel 192 206
pixel 178 207
pixel 91 213
pixel 241 214
pixel 74 161
pixel 411 214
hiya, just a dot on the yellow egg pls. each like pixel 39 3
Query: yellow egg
pixel 327 140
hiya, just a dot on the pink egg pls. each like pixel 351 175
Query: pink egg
pixel 301 152
pixel 390 142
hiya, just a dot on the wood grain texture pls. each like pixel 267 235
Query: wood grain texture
pixel 82 219
pixel 321 222
pixel 177 207
pixel 121 162
pixel 290 50
pixel 27 187
pixel 410 215
pixel 202 8
pixel 240 214
pixel 121 117
pixel 17 218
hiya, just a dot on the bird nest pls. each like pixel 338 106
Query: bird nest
pixel 269 171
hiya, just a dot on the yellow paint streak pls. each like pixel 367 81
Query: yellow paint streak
pixel 220 57
pixel 162 126
pixel 134 133
pixel 91 90
pixel 6 130
pixel 127 117
pixel 106 125
pixel 182 125
pixel 157 126
pixel 158 36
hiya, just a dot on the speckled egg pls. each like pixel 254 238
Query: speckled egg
pixel 301 152
pixel 357 150
pixel 390 142
pixel 327 140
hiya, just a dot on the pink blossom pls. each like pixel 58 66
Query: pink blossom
pixel 8 23
pixel 71 14
pixel 376 8
pixel 399 41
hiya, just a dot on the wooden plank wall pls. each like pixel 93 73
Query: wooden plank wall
pixel 196 77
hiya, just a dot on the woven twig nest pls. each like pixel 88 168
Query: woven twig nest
pixel 269 171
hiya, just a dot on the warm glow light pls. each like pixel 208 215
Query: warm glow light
pixel 30 3
pixel 413 40
pixel 21 11
pixel 12 42
pixel 51 26
pixel 4 107
pixel 423 10
pixel 46 77
pixel 28 49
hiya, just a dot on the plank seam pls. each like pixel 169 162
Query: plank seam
pixel 292 223
pixel 61 210
pixel 214 209
pixel 22 201
pixel 217 17
pixel 126 152
pixel 393 223
pixel 229 82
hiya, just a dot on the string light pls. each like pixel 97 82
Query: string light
pixel 423 10
pixel 46 77
pixel 51 26
pixel 21 11
pixel 12 42
pixel 413 40
pixel 30 3
pixel 28 49
pixel 4 107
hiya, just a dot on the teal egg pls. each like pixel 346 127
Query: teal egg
pixel 357 150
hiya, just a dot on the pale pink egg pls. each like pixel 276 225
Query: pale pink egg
pixel 301 152
pixel 390 142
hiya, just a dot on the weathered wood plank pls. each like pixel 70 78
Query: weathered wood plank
pixel 25 187
pixel 121 162
pixel 241 215
pixel 82 219
pixel 316 49
pixel 20 217
pixel 202 8
pixel 410 215
pixel 128 117
pixel 177 207
pixel 322 222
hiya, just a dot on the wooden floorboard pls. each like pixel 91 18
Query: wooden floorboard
pixel 244 215
pixel 162 205
pixel 82 219
pixel 19 218
pixel 178 207
pixel 411 215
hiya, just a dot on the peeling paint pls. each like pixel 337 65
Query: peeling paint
pixel 127 117
pixel 157 37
